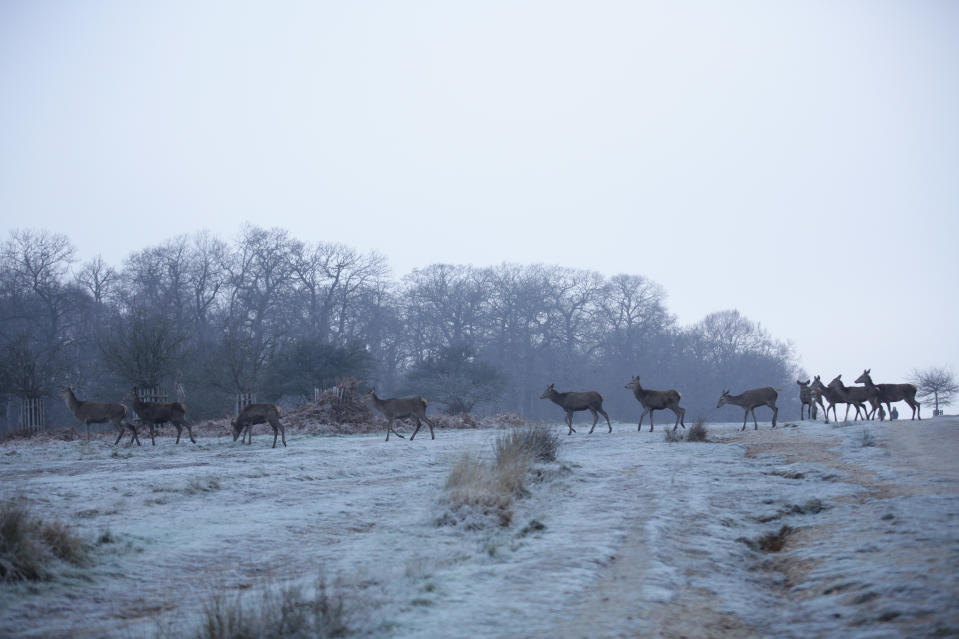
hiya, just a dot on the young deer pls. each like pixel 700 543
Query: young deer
pixel 809 396
pixel 400 408
pixel 253 414
pixel 653 400
pixel 750 400
pixel 888 393
pixel 576 401
pixel 855 396
pixel 98 413
pixel 154 413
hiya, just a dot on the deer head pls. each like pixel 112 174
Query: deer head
pixel 546 393
pixel 723 399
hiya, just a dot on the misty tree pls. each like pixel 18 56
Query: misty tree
pixel 304 364
pixel 143 347
pixel 455 378
pixel 937 384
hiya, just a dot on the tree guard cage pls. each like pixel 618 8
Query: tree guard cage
pixel 33 416
pixel 243 400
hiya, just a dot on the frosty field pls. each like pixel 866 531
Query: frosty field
pixel 625 535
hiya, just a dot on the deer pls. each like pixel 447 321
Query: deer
pixel 750 400
pixel 253 414
pixel 808 398
pixel 831 394
pixel 888 393
pixel 154 413
pixel 653 400
pixel 400 408
pixel 572 402
pixel 856 396
pixel 98 413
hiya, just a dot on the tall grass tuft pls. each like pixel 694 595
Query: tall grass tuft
pixel 697 432
pixel 284 613
pixel 479 490
pixel 30 547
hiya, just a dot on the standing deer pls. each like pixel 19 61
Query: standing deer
pixel 400 408
pixel 888 393
pixel 750 400
pixel 808 398
pixel 98 413
pixel 576 401
pixel 154 413
pixel 653 400
pixel 856 396
pixel 253 414
pixel 831 394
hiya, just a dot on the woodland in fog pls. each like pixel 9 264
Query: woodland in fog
pixel 278 316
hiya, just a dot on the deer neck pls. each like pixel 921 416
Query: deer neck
pixel 72 402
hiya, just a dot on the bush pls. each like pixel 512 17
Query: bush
pixel 30 547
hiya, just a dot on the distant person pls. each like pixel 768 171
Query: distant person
pixel 893 414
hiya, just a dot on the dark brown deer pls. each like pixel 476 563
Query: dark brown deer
pixel 855 396
pixel 155 413
pixel 99 413
pixel 401 408
pixel 653 400
pixel 831 394
pixel 576 401
pixel 888 393
pixel 750 400
pixel 808 398
pixel 253 414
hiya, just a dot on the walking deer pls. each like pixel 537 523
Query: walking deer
pixel 888 393
pixel 99 413
pixel 808 398
pixel 576 401
pixel 155 413
pixel 253 414
pixel 750 400
pixel 400 408
pixel 856 396
pixel 653 400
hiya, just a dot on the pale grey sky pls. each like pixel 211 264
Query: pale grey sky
pixel 798 161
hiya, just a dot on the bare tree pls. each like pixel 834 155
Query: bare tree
pixel 937 384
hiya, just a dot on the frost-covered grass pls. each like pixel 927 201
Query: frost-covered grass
pixel 31 548
pixel 622 535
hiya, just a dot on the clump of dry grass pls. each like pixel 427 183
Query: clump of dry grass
pixel 284 613
pixel 695 433
pixel 480 491
pixel 30 547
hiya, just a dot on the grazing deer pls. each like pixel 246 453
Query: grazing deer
pixel 653 400
pixel 888 393
pixel 98 413
pixel 750 400
pixel 577 401
pixel 154 413
pixel 808 397
pixel 856 396
pixel 253 414
pixel 400 408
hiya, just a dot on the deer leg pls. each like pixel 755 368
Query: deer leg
pixel 775 414
pixel 755 423
pixel 189 431
pixel 682 417
pixel 745 416
pixel 119 436
pixel 430 424
pixel 640 427
pixel 417 429
pixel 275 434
pixel 569 422
pixel 595 419
pixel 676 425
pixel 153 434
pixel 608 423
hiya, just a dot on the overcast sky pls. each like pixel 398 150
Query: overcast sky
pixel 798 161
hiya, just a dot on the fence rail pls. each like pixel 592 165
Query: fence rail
pixel 33 416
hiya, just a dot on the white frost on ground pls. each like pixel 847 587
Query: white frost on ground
pixel 641 537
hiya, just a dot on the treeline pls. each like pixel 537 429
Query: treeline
pixel 278 316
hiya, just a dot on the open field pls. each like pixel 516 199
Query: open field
pixel 625 535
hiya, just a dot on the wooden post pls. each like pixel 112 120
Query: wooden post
pixel 33 416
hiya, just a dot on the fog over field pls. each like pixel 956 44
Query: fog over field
pixel 624 534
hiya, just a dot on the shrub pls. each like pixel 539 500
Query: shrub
pixel 868 439
pixel 30 547
pixel 672 436
pixel 539 443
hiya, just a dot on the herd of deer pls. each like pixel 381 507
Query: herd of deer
pixel 810 394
